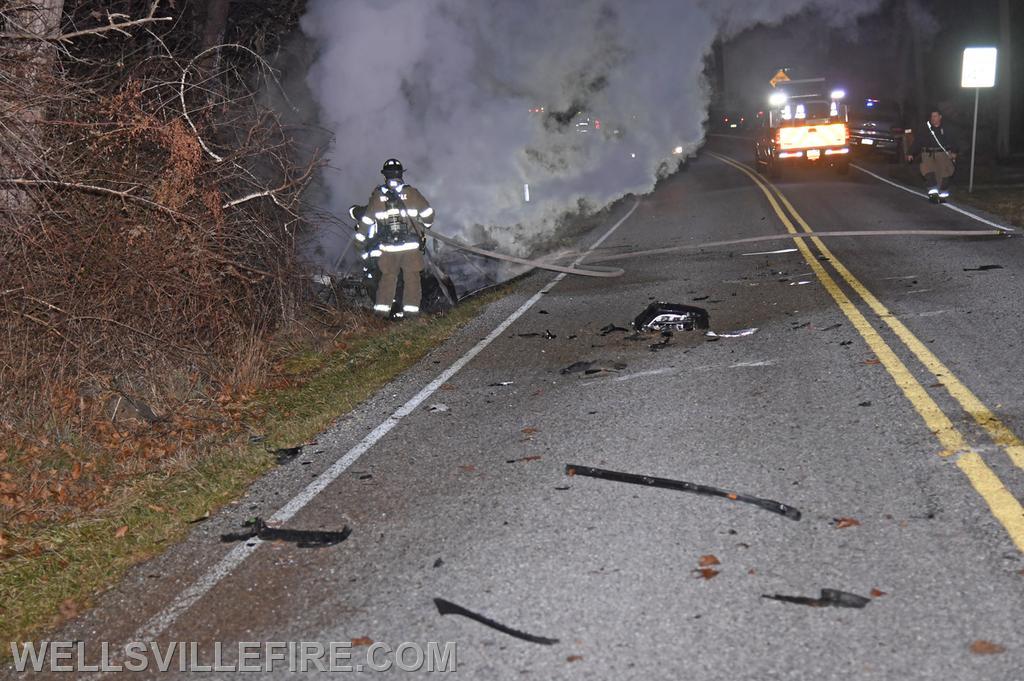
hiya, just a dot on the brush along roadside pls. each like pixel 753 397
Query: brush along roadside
pixel 52 568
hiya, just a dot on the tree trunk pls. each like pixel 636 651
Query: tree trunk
pixel 23 100
pixel 214 27
pixel 1005 81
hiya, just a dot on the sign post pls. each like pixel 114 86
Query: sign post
pixel 979 71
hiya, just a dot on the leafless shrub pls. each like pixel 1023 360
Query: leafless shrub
pixel 149 208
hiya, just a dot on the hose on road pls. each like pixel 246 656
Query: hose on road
pixel 801 235
pixel 607 272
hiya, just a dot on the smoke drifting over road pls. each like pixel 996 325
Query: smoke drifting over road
pixel 448 86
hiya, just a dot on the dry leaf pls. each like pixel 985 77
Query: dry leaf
pixel 574 658
pixel 842 523
pixel 468 468
pixel 156 509
pixel 872 361
pixel 448 386
pixel 982 647
pixel 706 573
pixel 121 531
pixel 875 593
pixel 732 495
pixel 709 559
pixel 68 608
pixel 362 641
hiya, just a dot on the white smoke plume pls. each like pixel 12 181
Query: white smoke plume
pixel 447 87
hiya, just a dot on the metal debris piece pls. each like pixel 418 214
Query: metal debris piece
pixel 671 317
pixel 683 486
pixel 833 597
pixel 983 268
pixel 591 368
pixel 448 608
pixel 500 384
pixel 612 328
pixel 304 539
pixel 733 334
pixel 287 454
pixel 802 282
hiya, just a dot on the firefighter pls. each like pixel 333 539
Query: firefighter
pixel 397 217
pixel 369 247
pixel 938 149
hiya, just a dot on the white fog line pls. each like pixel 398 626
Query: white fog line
pixel 950 206
pixel 187 598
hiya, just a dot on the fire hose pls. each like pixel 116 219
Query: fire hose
pixel 802 235
pixel 607 272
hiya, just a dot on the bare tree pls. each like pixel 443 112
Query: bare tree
pixel 1005 80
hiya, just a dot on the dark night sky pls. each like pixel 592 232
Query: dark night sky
pixel 874 57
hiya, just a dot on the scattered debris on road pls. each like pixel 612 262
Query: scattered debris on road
pixel 732 334
pixel 666 340
pixel 661 316
pixel 591 368
pixel 304 539
pixel 983 268
pixel 829 597
pixel 612 328
pixel 287 454
pixel 448 608
pixel 547 334
pixel 683 486
pixel 982 647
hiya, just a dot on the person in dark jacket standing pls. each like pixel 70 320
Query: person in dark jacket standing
pixel 938 148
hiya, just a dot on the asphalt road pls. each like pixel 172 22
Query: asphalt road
pixel 890 397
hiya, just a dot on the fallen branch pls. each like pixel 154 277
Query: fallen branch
pixel 94 189
pixel 112 25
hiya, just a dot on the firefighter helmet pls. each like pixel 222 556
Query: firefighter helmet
pixel 392 169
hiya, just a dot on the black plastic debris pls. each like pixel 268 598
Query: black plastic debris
pixel 830 328
pixel 448 608
pixel 701 298
pixel 304 539
pixel 671 317
pixel 438 563
pixel 829 597
pixel 576 367
pixel 983 268
pixel 500 384
pixel 549 335
pixel 683 486
pixel 612 328
pixel 542 312
pixel 287 454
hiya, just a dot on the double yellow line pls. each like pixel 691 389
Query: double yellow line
pixel 1003 505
